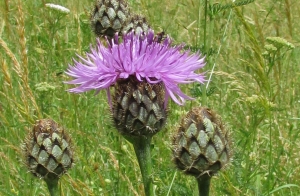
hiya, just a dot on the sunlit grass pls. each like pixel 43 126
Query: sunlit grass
pixel 257 94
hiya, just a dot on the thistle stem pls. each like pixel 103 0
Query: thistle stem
pixel 204 96
pixel 203 184
pixel 142 150
pixel 52 185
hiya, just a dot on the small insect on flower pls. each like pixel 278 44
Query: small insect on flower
pixel 160 37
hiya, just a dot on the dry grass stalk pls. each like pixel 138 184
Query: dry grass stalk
pixel 24 57
pixel 13 103
pixel 4 68
pixel 257 66
pixel 116 166
pixel 7 89
pixel 23 84
pixel 11 55
pixel 289 16
pixel 6 19
pixel 22 71
pixel 80 187
pixel 22 41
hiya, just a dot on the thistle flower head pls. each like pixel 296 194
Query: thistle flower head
pixel 140 56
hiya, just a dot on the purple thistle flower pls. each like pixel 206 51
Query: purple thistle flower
pixel 142 57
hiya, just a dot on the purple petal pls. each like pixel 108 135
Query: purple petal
pixel 140 56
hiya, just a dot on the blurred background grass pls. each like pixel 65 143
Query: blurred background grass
pixel 254 88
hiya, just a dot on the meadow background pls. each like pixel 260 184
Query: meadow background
pixel 255 87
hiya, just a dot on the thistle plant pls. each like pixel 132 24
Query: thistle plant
pixel 48 153
pixel 109 17
pixel 201 146
pixel 144 75
pixel 138 23
pixel 114 16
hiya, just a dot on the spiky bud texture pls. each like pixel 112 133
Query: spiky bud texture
pixel 48 150
pixel 202 144
pixel 138 107
pixel 109 17
pixel 137 23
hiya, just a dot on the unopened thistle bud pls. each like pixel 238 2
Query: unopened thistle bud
pixel 138 107
pixel 109 17
pixel 137 23
pixel 202 144
pixel 48 150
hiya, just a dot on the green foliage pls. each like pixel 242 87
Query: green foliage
pixel 253 48
pixel 218 7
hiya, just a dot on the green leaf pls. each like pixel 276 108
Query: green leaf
pixel 283 187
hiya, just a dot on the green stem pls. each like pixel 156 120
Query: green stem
pixel 203 184
pixel 52 185
pixel 142 150
pixel 204 96
pixel 204 29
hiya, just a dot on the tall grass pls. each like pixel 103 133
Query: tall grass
pixel 256 93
